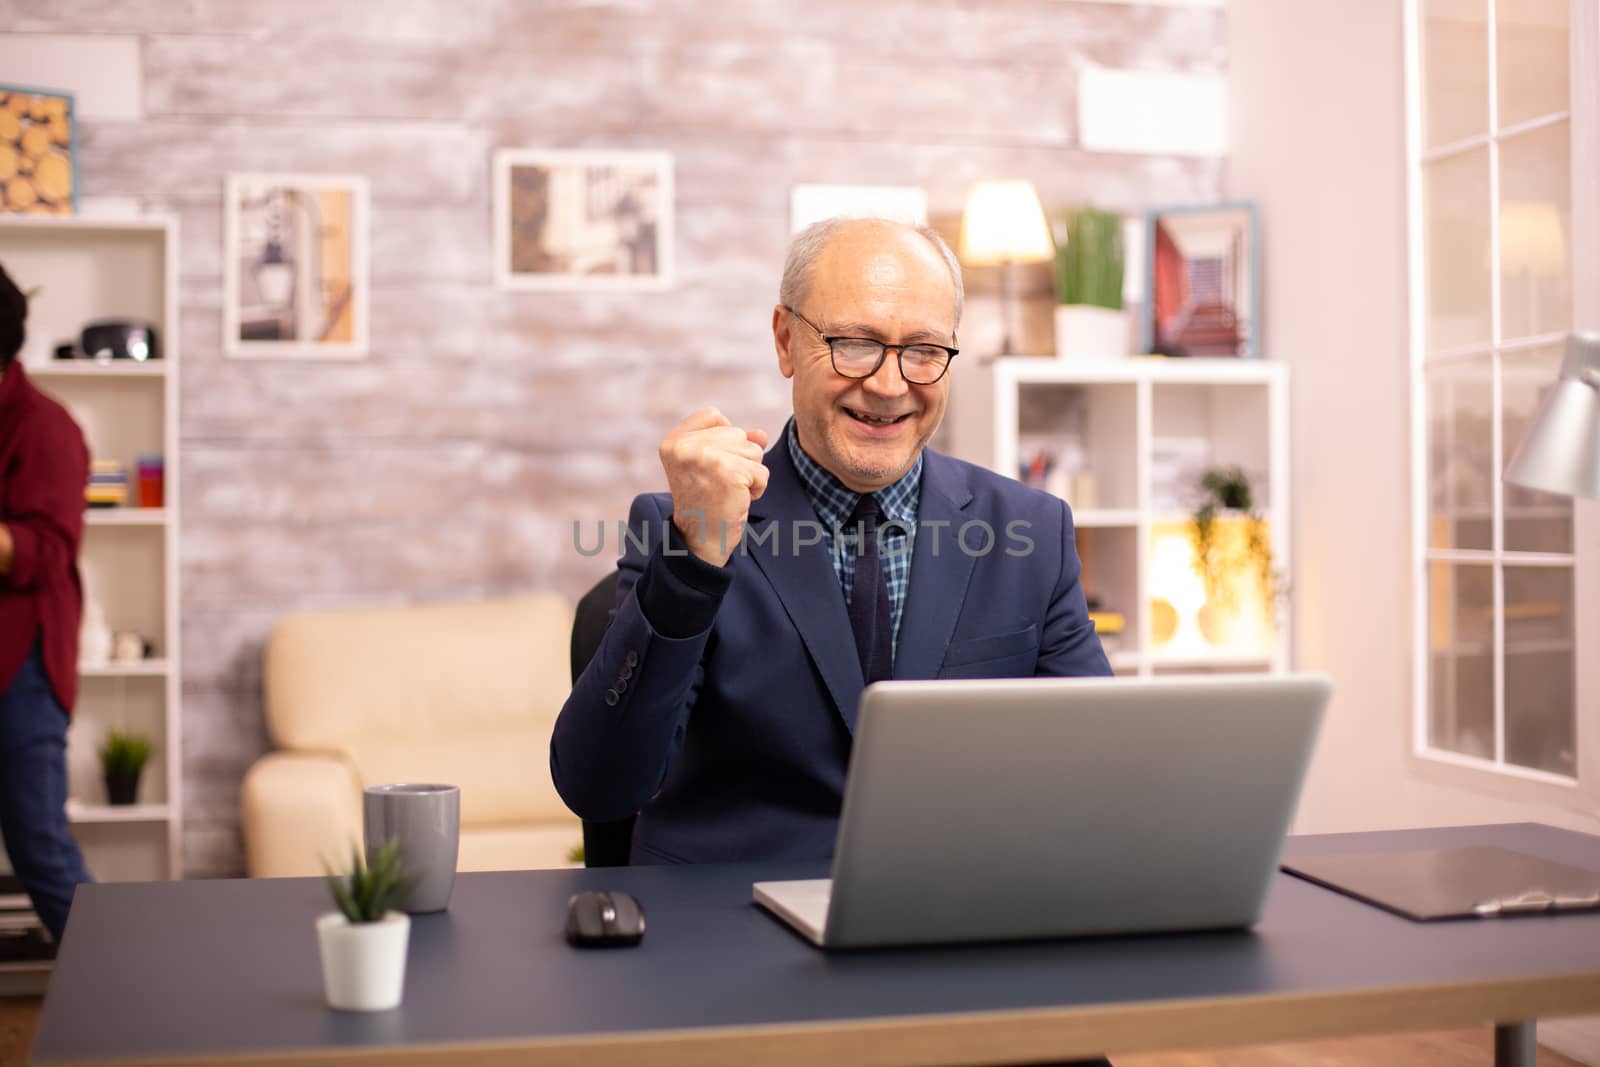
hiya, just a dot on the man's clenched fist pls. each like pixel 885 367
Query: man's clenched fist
pixel 714 471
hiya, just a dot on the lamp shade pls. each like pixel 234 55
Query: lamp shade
pixel 1531 238
pixel 1003 223
pixel 1560 452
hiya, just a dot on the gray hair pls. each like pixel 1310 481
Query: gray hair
pixel 807 245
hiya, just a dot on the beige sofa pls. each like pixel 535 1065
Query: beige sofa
pixel 457 693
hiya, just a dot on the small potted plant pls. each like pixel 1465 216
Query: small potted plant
pixel 1219 559
pixel 122 759
pixel 363 943
pixel 1090 320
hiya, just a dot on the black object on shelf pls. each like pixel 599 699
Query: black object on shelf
pixel 111 339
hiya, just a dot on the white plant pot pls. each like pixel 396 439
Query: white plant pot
pixel 1083 331
pixel 363 964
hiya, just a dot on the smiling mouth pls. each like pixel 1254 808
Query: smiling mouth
pixel 876 420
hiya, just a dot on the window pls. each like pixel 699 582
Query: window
pixel 1492 300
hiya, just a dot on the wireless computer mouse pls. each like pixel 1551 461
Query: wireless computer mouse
pixel 599 919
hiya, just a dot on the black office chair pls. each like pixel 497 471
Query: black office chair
pixel 605 844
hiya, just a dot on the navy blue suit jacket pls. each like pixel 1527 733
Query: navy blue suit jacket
pixel 731 742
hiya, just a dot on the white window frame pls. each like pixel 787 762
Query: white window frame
pixel 1495 775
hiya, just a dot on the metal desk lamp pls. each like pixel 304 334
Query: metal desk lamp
pixel 1560 452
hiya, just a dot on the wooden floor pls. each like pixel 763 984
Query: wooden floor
pixel 1451 1048
pixel 18 1016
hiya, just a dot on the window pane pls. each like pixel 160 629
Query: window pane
pixel 1455 70
pixel 1456 223
pixel 1461 658
pixel 1536 232
pixel 1534 521
pixel 1531 39
pixel 1461 468
pixel 1541 718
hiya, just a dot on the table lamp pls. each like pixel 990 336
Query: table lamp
pixel 1560 452
pixel 1004 225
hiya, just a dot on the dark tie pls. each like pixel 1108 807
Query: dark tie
pixel 869 597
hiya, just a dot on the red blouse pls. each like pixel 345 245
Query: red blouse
pixel 44 466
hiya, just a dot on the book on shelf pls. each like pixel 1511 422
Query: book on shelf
pixel 13 922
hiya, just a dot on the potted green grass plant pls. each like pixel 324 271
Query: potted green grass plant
pixel 1090 320
pixel 122 758
pixel 363 943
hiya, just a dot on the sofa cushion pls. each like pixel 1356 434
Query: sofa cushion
pixel 459 693
pixel 504 774
pixel 513 848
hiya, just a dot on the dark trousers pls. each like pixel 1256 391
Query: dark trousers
pixel 33 794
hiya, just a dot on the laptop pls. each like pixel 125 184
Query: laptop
pixel 1013 809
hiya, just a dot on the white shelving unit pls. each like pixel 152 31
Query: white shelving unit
pixel 1141 429
pixel 87 269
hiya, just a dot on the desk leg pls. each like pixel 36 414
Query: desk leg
pixel 1515 1045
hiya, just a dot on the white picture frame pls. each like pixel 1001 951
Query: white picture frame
pixel 279 301
pixel 581 219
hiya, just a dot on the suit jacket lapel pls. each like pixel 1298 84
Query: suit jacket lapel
pixel 804 580
pixel 940 570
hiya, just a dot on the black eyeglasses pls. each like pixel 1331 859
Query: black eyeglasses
pixel 860 357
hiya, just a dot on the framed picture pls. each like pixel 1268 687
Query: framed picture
pixel 1202 286
pixel 579 219
pixel 38 152
pixel 813 203
pixel 295 279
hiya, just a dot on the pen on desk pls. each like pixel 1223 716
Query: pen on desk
pixel 1532 900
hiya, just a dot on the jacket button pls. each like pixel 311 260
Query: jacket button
pixel 632 658
pixel 621 686
pixel 611 698
pixel 627 672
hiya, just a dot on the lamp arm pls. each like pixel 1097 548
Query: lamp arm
pixel 1581 363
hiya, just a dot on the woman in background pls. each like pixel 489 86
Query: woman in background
pixel 44 466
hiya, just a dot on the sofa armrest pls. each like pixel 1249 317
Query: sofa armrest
pixel 300 810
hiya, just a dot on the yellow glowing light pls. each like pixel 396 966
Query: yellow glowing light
pixel 1236 622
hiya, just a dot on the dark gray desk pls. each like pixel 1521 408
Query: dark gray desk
pixel 160 973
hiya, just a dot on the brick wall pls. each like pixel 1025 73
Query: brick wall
pixel 452 461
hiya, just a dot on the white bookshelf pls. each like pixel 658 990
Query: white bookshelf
pixel 148 668
pixel 70 369
pixel 1142 428
pixel 94 268
pixel 127 516
pixel 87 814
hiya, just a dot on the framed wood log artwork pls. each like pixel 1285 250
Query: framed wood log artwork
pixel 582 219
pixel 295 265
pixel 38 143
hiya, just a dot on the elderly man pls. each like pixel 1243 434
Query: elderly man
pixel 762 594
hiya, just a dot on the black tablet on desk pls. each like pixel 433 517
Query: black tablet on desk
pixel 1454 883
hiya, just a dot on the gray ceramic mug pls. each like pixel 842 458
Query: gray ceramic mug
pixel 426 819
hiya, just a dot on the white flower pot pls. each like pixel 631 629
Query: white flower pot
pixel 1093 332
pixel 363 964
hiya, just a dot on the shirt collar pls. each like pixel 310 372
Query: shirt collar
pixel 834 501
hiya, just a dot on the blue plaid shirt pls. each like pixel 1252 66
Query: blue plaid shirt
pixel 834 502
